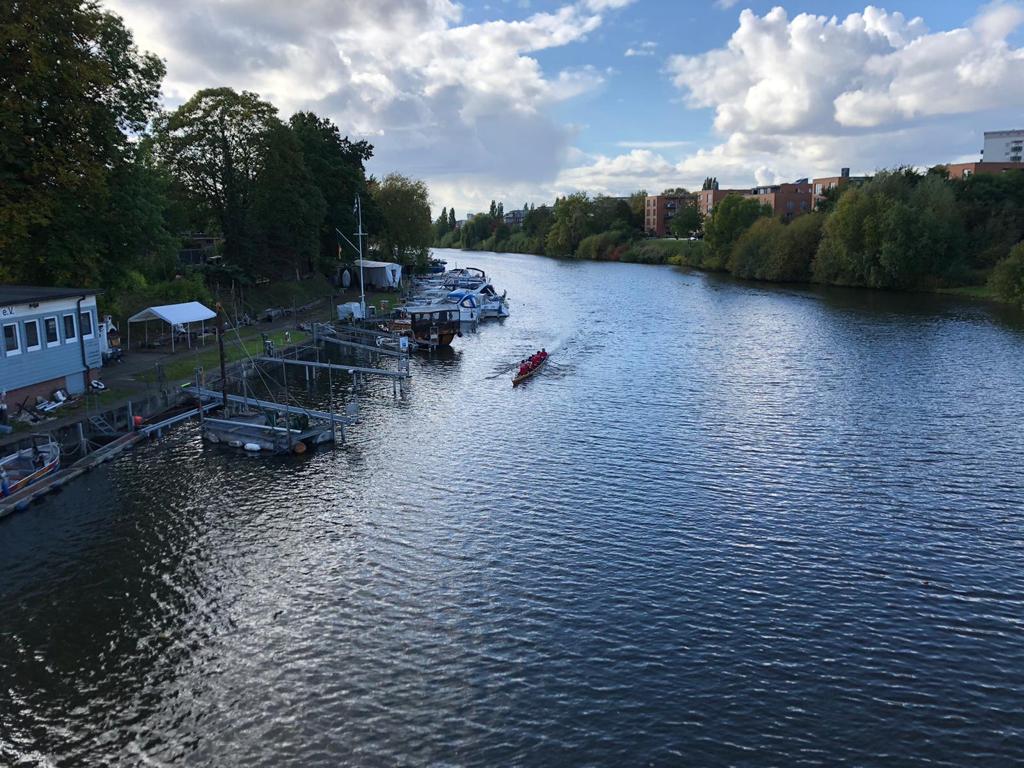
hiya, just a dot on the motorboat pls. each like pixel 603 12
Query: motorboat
pixel 434 325
pixel 267 431
pixel 22 468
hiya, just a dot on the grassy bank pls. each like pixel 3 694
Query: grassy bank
pixel 248 343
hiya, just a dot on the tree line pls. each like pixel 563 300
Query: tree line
pixel 575 226
pixel 100 182
pixel 900 229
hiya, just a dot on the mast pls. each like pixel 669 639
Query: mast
pixel 220 345
pixel 359 239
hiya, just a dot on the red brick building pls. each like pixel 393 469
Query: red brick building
pixel 785 200
pixel 963 170
pixel 819 187
pixel 659 210
pixel 707 199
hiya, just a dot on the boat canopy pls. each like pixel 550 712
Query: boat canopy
pixel 174 315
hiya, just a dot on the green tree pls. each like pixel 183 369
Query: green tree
pixel 571 223
pixel 899 230
pixel 637 208
pixel 337 167
pixel 452 223
pixel 710 182
pixel 494 209
pixel 73 87
pixel 287 210
pixel 729 219
pixel 1007 278
pixel 772 250
pixel 406 232
pixel 687 220
pixel 215 146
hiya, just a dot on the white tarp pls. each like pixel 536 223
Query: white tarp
pixel 175 314
pixel 381 274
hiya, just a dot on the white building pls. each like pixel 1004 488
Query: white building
pixel 1003 146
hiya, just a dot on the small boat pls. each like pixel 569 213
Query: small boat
pixel 517 380
pixel 24 467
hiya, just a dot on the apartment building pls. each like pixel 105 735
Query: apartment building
pixel 819 187
pixel 785 200
pixel 707 199
pixel 659 210
pixel 1003 147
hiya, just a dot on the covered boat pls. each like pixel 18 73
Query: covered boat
pixel 434 325
pixel 27 466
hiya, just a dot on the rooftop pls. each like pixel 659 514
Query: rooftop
pixel 23 294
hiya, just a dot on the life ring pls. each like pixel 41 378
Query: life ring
pixel 98 385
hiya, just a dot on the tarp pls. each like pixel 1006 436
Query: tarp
pixel 175 314
pixel 382 274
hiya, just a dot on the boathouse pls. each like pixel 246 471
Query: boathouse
pixel 49 340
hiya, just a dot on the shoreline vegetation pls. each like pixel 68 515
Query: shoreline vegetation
pixel 220 199
pixel 900 230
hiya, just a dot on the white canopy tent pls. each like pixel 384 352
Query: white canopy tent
pixel 174 315
pixel 381 274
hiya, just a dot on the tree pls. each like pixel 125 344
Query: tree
pixel 501 210
pixel 74 86
pixel 637 208
pixel 287 210
pixel 452 223
pixel 570 225
pixel 688 219
pixel 1008 277
pixel 710 182
pixel 494 209
pixel 215 145
pixel 337 167
pixel 405 234
pixel 729 219
pixel 441 226
pixel 771 250
pixel 676 192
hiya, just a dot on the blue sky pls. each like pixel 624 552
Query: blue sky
pixel 525 99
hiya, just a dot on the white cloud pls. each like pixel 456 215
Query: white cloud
pixel 725 4
pixel 646 48
pixel 653 144
pixel 804 96
pixel 437 97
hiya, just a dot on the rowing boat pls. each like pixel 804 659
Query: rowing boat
pixel 520 379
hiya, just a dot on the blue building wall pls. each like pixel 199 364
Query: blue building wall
pixel 53 359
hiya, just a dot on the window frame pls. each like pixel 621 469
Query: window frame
pixel 39 339
pixel 56 332
pixel 17 339
pixel 74 324
pixel 92 324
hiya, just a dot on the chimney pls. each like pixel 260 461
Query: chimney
pixel 845 173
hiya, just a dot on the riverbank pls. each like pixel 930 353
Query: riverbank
pixel 691 254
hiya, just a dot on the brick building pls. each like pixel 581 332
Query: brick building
pixel 659 210
pixel 707 199
pixel 785 200
pixel 963 170
pixel 819 187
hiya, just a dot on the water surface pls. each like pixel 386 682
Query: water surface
pixel 730 524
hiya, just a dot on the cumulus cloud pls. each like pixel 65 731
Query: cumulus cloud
pixel 436 96
pixel 806 95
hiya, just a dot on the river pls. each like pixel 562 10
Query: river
pixel 730 524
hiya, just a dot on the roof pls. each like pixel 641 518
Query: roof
pixel 22 294
pixel 175 314
pixel 372 264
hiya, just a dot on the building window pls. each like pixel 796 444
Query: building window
pixel 70 331
pixel 85 323
pixel 50 329
pixel 32 335
pixel 11 343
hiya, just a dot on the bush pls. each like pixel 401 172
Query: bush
pixel 604 246
pixel 771 250
pixel 679 252
pixel 1007 278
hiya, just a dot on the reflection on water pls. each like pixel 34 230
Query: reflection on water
pixel 729 524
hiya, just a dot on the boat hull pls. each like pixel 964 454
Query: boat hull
pixel 23 473
pixel 533 372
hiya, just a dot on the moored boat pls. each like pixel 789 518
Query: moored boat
pixel 433 325
pixel 22 468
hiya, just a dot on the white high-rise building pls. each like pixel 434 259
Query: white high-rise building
pixel 1003 147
